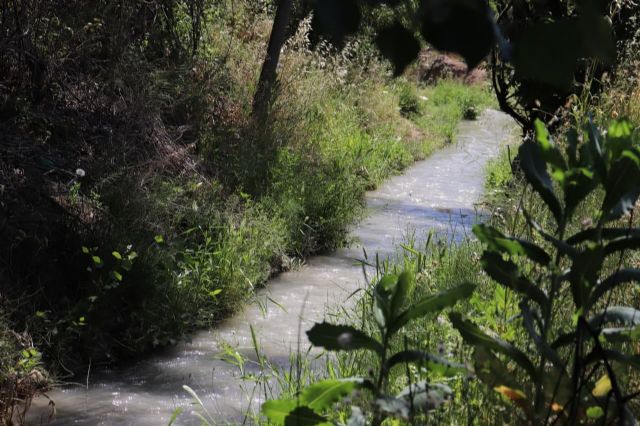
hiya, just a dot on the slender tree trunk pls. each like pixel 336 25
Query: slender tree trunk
pixel 268 73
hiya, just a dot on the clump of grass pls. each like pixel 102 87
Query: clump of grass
pixel 408 101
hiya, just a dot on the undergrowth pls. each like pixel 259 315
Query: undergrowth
pixel 141 201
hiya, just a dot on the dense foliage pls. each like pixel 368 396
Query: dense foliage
pixel 576 363
pixel 139 200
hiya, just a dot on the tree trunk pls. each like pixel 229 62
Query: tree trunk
pixel 268 74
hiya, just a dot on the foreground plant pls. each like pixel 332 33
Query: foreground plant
pixel 390 296
pixel 577 366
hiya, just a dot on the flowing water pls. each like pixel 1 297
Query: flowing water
pixel 438 193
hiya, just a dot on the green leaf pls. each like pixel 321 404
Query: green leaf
pixel 615 314
pixel 474 336
pixel 613 355
pixel 497 241
pixel 625 204
pixel 304 416
pixel 277 410
pixel 592 155
pixel 398 45
pixel 577 184
pixel 97 260
pixel 126 264
pixel 584 273
pixel 433 363
pixel 341 337
pixel 387 283
pixel 535 172
pixel 425 396
pixel 402 291
pixel 464 27
pixel 491 370
pixel 159 239
pixel 508 274
pixel 322 395
pixel 620 277
pixel 541 344
pixel 619 139
pixel 116 255
pixel 550 154
pixel 214 293
pixel 595 412
pixel 621 244
pixel 175 415
pixel 622 185
pixel 117 275
pixel 563 247
pixel 434 303
pixel 85 250
pixel 621 334
pixel 606 234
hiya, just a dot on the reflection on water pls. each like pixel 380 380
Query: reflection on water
pixel 436 194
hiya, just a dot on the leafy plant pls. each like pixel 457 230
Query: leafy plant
pixel 575 365
pixel 390 294
pixel 408 101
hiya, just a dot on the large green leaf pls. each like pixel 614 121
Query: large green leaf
pixel 535 171
pixel 549 152
pixel 305 416
pixel 621 244
pixel 464 27
pixel 402 291
pixel 433 363
pixel 620 277
pixel 593 152
pixel 497 241
pixel 277 410
pixel 432 304
pixel 613 355
pixel 474 336
pixel 625 204
pixel 619 138
pixel 341 337
pixel 577 184
pixel 563 247
pixel 605 233
pixel 398 45
pixel 617 315
pixel 541 344
pixel 322 395
pixel 622 185
pixel 508 274
pixel 621 334
pixel 491 370
pixel 584 273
